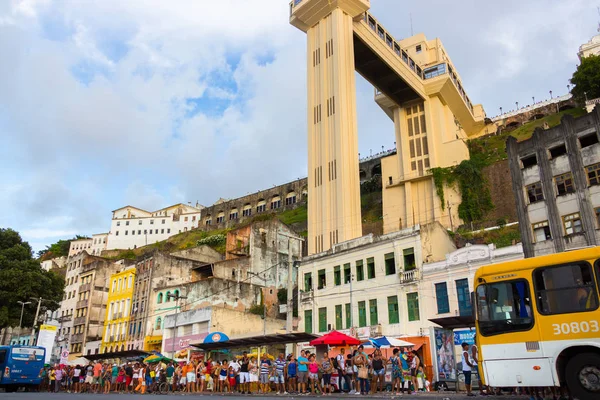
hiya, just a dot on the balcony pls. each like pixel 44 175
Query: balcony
pixel 306 297
pixel 85 287
pixel 283 308
pixel 82 304
pixel 77 338
pixel 79 321
pixel 411 276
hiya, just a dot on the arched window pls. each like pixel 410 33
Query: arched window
pixel 176 293
pixel 220 217
pixel 160 298
pixel 261 206
pixel 168 299
pixel 233 214
pixel 275 202
pixel 290 198
pixel 158 323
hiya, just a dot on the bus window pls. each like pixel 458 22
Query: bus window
pixel 565 289
pixel 2 356
pixel 504 307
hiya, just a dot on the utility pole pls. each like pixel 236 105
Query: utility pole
pixel 351 307
pixel 450 214
pixel 177 297
pixel 290 281
pixel 21 319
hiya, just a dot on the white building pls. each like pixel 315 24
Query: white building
pixel 99 243
pixel 77 246
pixel 370 284
pixel 133 227
pixel 590 48
pixel 57 262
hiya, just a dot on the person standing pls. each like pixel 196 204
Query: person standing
pixel 361 361
pixel 415 363
pixel 350 374
pixel 467 367
pixel 253 371
pixel 244 374
pixel 396 372
pixel 378 371
pixel 280 367
pixel 327 368
pixel 76 377
pixel 406 377
pixel 96 371
pixel 483 390
pixel 59 375
pixel 51 379
pixel 341 370
pixel 292 375
pixel 302 372
pixel 265 368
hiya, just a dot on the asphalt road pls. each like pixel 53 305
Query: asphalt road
pixel 428 396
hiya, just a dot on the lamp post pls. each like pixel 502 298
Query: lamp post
pixel 177 297
pixel 551 94
pixel 21 319
pixel 533 99
pixel 517 103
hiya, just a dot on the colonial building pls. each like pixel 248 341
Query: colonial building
pixel 556 184
pixel 370 284
pixel 79 245
pixel 99 244
pixel 590 48
pixel 132 227
pixel 116 321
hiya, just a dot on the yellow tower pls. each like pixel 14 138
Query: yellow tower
pixel 417 86
pixel 333 181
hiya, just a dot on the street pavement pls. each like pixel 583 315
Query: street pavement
pixel 427 396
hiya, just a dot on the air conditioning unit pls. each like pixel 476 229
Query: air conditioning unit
pixel 376 330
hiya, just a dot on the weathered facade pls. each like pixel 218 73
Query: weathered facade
pixel 154 270
pixel 556 184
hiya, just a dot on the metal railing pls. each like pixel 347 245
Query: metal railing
pixel 409 276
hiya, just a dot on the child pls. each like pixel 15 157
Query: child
pixel 421 379
pixel 231 380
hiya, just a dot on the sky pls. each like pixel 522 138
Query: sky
pixel 152 102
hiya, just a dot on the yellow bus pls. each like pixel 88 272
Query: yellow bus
pixel 538 322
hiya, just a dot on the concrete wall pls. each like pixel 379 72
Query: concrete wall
pixel 499 183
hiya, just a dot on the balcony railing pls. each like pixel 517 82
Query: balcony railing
pixel 306 296
pixel 79 321
pixel 85 287
pixel 77 338
pixel 82 304
pixel 410 276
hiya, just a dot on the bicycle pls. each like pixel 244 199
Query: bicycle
pixel 163 388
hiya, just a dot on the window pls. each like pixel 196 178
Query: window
pixel 362 314
pixel 127 223
pixel 126 233
pixel 373 317
pixel 541 232
pixel 160 298
pixel 558 151
pixel 323 319
pixel 163 221
pixel 275 202
pixel 348 316
pixel 118 223
pixel 162 231
pixel 152 221
pixel 233 215
pixel 572 224
pixel 290 199
pixel 322 280
pixel 504 307
pixel 529 161
pixel 464 297
pixel 140 222
pixel 117 233
pixel 565 289
pixel 393 311
pixel 419 48
pixel 360 272
pixel 308 282
pixel 247 210
pixel 534 192
pixel 588 140
pixel 593 174
pixel 441 296
pixel 261 206
pixel 337 276
pixel 220 219
pixel 347 273
pixel 597 211
pixel 158 323
pixel 564 183
pixel 308 324
pixel 412 301
pixel 168 230
pixel 390 264
pixel 338 317
pixel 409 259
pixel 370 268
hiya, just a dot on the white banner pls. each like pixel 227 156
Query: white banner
pixel 46 339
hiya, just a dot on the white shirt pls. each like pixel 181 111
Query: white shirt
pixel 341 361
pixel 235 365
pixel 465 356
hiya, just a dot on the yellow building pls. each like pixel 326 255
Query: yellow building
pixel 417 86
pixel 116 321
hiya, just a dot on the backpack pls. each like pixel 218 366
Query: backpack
pixel 335 363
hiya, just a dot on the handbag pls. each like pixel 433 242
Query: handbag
pixel 363 373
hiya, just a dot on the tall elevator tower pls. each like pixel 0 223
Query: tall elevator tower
pixel 333 178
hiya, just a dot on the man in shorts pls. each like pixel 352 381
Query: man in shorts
pixel 89 377
pixel 244 374
pixel 280 365
pixel 190 377
pixel 265 369
pixel 170 372
pixel 302 372
pixel 97 372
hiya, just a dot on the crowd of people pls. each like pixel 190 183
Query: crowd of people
pixel 358 373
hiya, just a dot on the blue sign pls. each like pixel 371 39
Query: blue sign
pixel 464 336
pixel 216 337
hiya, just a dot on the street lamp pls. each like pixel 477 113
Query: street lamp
pixel 22 309
pixel 551 94
pixel 533 99
pixel 517 103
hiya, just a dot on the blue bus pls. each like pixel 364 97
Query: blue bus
pixel 20 366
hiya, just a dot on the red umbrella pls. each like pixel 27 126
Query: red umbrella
pixel 335 338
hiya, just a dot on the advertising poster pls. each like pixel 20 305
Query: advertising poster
pixel 464 336
pixel 46 340
pixel 444 349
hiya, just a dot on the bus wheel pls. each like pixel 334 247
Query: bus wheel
pixel 583 376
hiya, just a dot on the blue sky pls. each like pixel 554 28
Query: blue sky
pixel 149 103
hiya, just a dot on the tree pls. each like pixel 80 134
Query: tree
pixel 21 278
pixel 58 249
pixel 587 79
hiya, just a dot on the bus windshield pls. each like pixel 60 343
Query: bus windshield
pixel 504 307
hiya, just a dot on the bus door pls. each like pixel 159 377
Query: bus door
pixel 509 342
